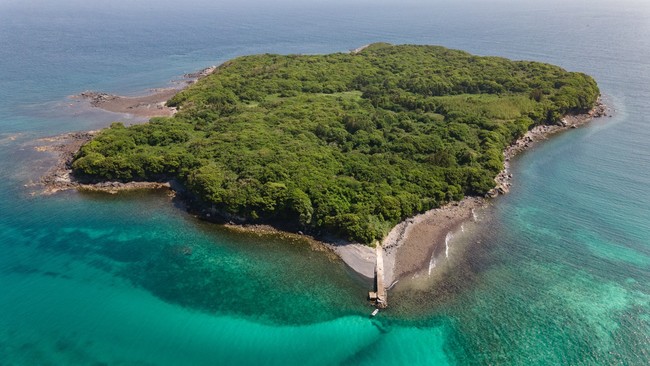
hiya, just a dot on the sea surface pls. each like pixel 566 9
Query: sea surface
pixel 557 272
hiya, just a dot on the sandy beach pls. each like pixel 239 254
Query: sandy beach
pixel 409 246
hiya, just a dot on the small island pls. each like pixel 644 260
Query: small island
pixel 343 144
pixel 362 147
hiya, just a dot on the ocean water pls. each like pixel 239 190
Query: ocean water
pixel 556 272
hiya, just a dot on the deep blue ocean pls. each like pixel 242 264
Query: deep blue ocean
pixel 555 273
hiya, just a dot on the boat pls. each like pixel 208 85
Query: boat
pixel 374 312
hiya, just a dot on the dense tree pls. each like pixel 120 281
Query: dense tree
pixel 348 143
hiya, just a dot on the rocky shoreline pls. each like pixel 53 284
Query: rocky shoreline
pixel 149 105
pixel 359 49
pixel 65 146
pixel 537 134
pixel 152 105
pixel 59 176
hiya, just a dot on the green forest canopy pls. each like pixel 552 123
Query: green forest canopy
pixel 348 144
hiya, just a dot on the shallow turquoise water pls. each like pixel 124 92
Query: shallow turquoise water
pixel 556 272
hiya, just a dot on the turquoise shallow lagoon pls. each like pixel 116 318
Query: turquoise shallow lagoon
pixel 556 272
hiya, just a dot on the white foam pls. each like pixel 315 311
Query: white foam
pixel 447 239
pixel 432 263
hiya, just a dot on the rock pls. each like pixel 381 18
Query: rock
pixel 200 74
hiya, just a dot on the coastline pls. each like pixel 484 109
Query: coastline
pixel 411 244
pixel 65 146
pixel 151 105
pixel 148 105
pixel 541 133
pixel 408 247
pixel 359 49
pixel 59 177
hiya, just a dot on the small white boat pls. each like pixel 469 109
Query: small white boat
pixel 374 312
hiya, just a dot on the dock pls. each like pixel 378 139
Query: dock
pixel 379 296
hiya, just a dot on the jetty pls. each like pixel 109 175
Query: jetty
pixel 379 296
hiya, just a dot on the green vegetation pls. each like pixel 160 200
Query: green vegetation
pixel 343 143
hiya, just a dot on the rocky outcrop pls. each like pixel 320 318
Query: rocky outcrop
pixel 96 99
pixel 60 177
pixel 359 49
pixel 201 73
pixel 65 147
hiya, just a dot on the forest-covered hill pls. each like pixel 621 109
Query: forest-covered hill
pixel 348 144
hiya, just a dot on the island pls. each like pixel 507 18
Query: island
pixel 347 146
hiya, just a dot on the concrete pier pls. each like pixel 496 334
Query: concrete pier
pixel 379 296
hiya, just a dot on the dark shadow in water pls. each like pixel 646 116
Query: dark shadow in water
pixel 272 278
